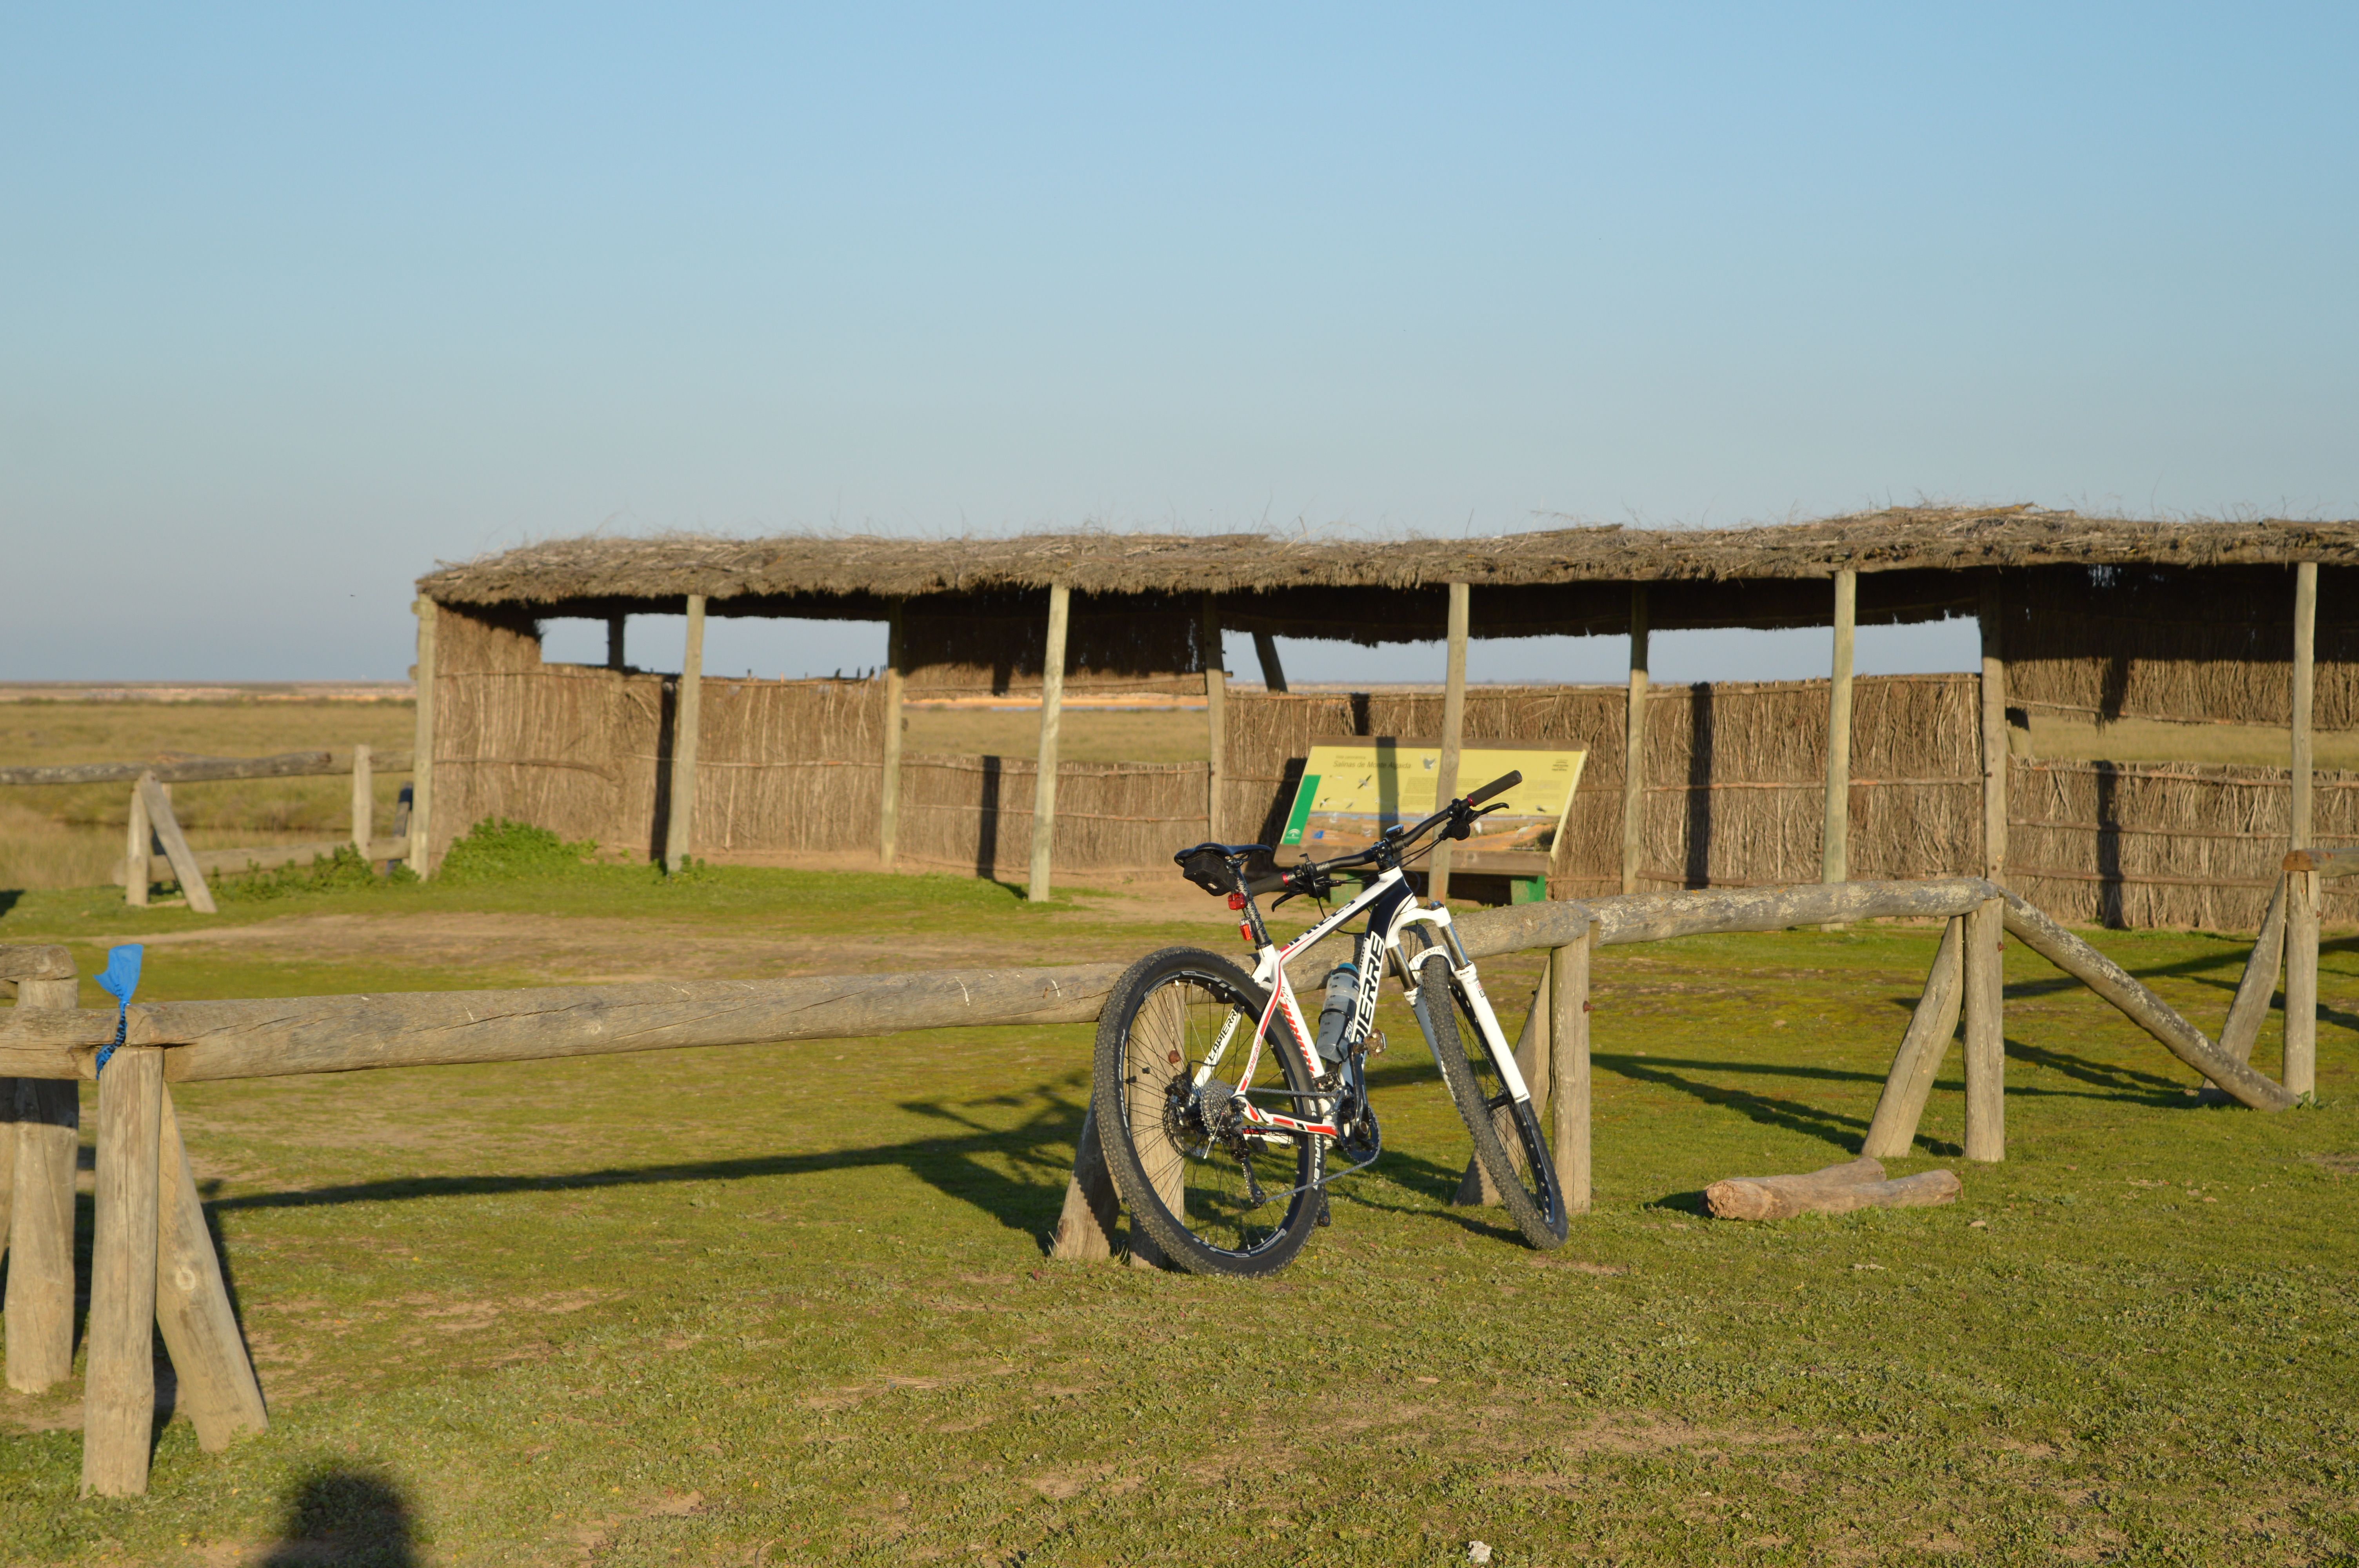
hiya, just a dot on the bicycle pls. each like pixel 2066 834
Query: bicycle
pixel 1229 1177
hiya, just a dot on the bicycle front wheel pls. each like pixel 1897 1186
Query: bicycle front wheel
pixel 1507 1139
pixel 1217 1196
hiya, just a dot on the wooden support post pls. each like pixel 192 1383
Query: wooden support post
pixel 614 660
pixel 217 1390
pixel 1273 673
pixel 1634 747
pixel 1984 1008
pixel 135 851
pixel 1052 702
pixel 1085 1227
pixel 2302 984
pixel 2258 986
pixel 1216 718
pixel 44 1141
pixel 2301 887
pixel 364 800
pixel 1893 1131
pixel 888 796
pixel 1453 729
pixel 1994 739
pixel 2305 639
pixel 1569 1043
pixel 176 844
pixel 119 1397
pixel 421 751
pixel 1164 1165
pixel 679 824
pixel 1533 1060
pixel 1834 862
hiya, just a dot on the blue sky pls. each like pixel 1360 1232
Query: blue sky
pixel 303 300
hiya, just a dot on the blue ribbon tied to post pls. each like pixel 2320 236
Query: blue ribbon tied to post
pixel 119 980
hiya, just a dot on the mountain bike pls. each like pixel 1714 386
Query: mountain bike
pixel 1229 1175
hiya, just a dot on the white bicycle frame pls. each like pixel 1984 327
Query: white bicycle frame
pixel 1269 971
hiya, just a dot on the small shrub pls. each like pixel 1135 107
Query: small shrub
pixel 344 872
pixel 498 850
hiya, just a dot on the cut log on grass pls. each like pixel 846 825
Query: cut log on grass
pixel 1838 1189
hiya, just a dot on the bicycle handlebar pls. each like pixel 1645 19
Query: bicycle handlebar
pixel 1504 782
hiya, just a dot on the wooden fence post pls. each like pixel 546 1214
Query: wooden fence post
pixel 422 753
pixel 1835 859
pixel 889 809
pixel 364 800
pixel 42 1151
pixel 2258 986
pixel 1569 1043
pixel 1993 695
pixel 1216 721
pixel 1892 1133
pixel 217 1390
pixel 176 844
pixel 1093 1208
pixel 1273 673
pixel 1634 747
pixel 2301 983
pixel 1453 729
pixel 1052 702
pixel 2305 636
pixel 119 1397
pixel 1984 1007
pixel 680 824
pixel 135 851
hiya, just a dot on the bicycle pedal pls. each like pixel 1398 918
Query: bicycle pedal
pixel 1326 1216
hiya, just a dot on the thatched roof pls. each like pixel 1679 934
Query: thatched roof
pixel 618 573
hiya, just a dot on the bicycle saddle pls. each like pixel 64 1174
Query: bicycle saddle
pixel 1223 868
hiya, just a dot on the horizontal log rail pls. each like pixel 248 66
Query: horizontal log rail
pixel 244 1039
pixel 205 769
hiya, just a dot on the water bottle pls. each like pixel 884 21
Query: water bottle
pixel 1335 1015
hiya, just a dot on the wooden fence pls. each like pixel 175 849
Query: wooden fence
pixel 157 851
pixel 152 1261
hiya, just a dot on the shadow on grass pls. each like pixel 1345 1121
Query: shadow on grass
pixel 962 1166
pixel 1795 1116
pixel 344 1517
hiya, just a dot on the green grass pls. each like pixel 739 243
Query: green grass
pixel 788 1304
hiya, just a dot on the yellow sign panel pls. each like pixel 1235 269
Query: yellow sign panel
pixel 1353 790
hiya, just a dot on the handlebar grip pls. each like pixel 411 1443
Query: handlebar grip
pixel 1274 882
pixel 1506 782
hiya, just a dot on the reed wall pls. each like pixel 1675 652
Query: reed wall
pixel 1735 783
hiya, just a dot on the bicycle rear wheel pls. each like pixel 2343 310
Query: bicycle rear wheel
pixel 1216 1199
pixel 1507 1134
